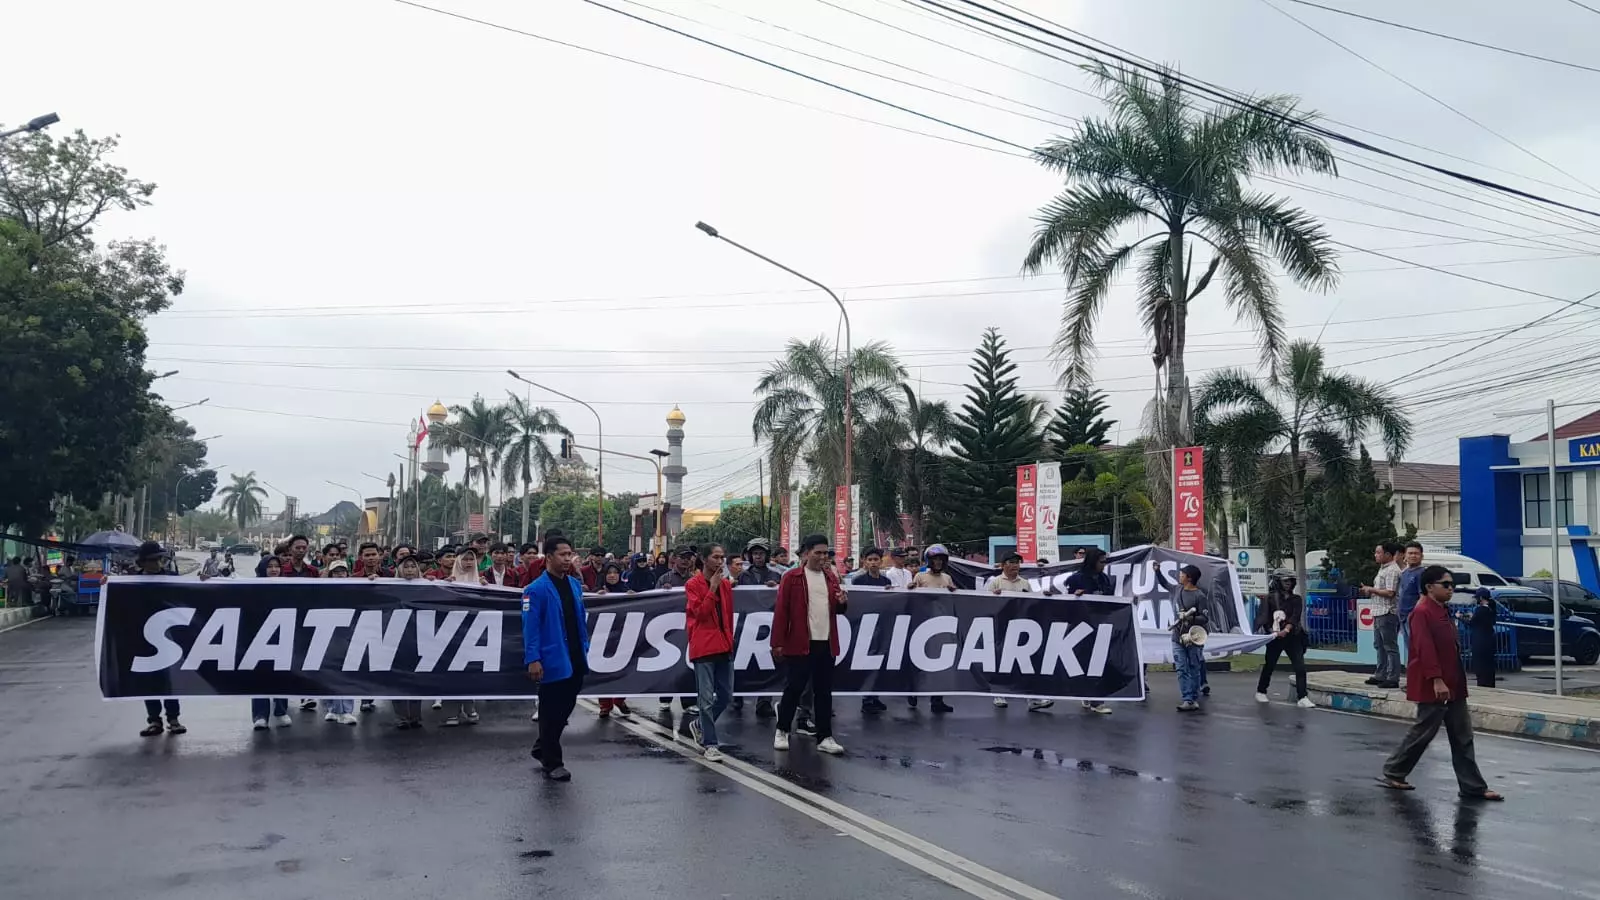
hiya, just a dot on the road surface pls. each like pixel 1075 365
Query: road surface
pixel 1240 801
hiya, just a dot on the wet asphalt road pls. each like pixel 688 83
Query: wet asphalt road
pixel 1240 801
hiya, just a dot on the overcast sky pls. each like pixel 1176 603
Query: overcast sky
pixel 379 205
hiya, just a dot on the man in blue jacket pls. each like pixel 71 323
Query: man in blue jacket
pixel 555 648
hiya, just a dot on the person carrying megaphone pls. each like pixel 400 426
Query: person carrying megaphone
pixel 1188 636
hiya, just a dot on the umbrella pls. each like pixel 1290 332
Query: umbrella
pixel 111 542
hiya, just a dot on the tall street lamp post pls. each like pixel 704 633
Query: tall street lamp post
pixel 849 415
pixel 600 460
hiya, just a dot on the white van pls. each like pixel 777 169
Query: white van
pixel 1467 573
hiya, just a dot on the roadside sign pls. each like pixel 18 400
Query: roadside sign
pixel 1252 565
pixel 1364 617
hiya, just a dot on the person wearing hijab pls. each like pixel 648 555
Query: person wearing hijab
pixel 1480 625
pixel 465 571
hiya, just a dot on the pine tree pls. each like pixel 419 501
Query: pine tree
pixel 1079 420
pixel 996 430
pixel 1355 517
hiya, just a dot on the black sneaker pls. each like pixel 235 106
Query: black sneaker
pixel 1373 680
pixel 1205 690
pixel 911 702
pixel 152 729
pixel 308 705
pixel 559 773
pixel 366 706
pixel 873 705
pixel 806 727
pixel 175 727
pixel 694 728
pixel 738 705
pixel 939 706
pixel 764 709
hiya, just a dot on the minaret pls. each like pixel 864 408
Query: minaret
pixel 674 471
pixel 435 464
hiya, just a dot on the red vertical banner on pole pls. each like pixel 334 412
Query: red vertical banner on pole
pixel 841 525
pixel 1027 520
pixel 1188 500
pixel 785 539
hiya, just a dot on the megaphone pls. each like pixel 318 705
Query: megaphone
pixel 1194 637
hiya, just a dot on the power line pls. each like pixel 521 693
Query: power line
pixel 1451 37
pixel 1586 6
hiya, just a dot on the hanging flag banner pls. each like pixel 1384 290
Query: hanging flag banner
pixel 1188 500
pixel 855 523
pixel 1148 577
pixel 1027 523
pixel 794 523
pixel 841 525
pixel 1047 511
pixel 391 639
pixel 785 536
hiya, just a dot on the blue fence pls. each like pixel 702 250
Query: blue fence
pixel 1330 620
pixel 1505 647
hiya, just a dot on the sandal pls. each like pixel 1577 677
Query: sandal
pixel 1486 795
pixel 151 730
pixel 1395 784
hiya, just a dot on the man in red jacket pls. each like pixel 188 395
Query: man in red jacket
pixel 806 642
pixel 708 617
pixel 1437 683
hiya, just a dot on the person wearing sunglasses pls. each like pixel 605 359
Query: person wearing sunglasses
pixel 1437 682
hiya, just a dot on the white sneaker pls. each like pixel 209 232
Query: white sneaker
pixel 1305 703
pixel 348 719
pixel 1262 698
pixel 437 704
pixel 283 721
pixel 1101 710
pixel 1001 703
pixel 780 740
pixel 260 724
pixel 713 754
pixel 829 745
pixel 331 717
pixel 1040 704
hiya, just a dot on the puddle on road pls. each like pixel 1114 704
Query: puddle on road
pixel 1082 765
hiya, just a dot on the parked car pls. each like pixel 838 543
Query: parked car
pixel 1583 601
pixel 1467 573
pixel 1532 613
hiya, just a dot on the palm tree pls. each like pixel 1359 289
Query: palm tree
pixel 241 499
pixel 1109 487
pixel 1271 432
pixel 1158 161
pixel 481 433
pixel 902 468
pixel 526 452
pixel 801 410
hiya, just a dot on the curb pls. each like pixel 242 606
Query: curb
pixel 17 616
pixel 1567 727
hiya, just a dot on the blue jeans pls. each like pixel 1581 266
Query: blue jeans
pixel 714 680
pixel 259 707
pixel 342 707
pixel 1190 663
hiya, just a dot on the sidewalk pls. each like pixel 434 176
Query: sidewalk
pixel 12 616
pixel 1572 719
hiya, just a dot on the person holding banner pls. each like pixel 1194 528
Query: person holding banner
pixel 1091 578
pixel 760 571
pixel 1010 581
pixel 708 619
pixel 806 641
pixel 1187 656
pixel 555 648
pixel 151 560
pixel 1283 616
pixel 873 575
pixel 937 577
pixel 407 713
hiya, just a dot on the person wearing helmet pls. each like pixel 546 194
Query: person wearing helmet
pixel 934 577
pixel 759 571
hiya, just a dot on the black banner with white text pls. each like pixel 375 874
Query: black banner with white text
pixel 178 637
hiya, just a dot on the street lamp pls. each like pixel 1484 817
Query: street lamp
pixel 600 459
pixel 661 502
pixel 849 424
pixel 38 123
pixel 164 375
pixel 187 405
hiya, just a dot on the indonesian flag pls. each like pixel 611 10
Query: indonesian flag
pixel 422 431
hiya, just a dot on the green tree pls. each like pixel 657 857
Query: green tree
pixel 241 499
pixel 527 453
pixel 1303 413
pixel 575 516
pixel 1108 496
pixel 74 395
pixel 1079 421
pixel 481 432
pixel 1159 160
pixel 901 468
pixel 800 404
pixel 996 430
pixel 733 528
pixel 1351 519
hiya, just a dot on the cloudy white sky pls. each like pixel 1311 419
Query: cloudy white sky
pixel 380 205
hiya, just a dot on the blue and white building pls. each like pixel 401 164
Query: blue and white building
pixel 1507 500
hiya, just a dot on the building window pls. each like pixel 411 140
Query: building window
pixel 1536 500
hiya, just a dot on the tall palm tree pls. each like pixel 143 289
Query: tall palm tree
pixel 480 432
pixel 526 452
pixel 1305 413
pixel 241 499
pixel 800 413
pixel 902 468
pixel 1158 161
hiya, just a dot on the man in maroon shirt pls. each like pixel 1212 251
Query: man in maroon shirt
pixel 297 567
pixel 369 562
pixel 1437 683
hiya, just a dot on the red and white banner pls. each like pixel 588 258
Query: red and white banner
pixel 1027 520
pixel 785 536
pixel 841 525
pixel 1188 500
pixel 794 522
pixel 1047 511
